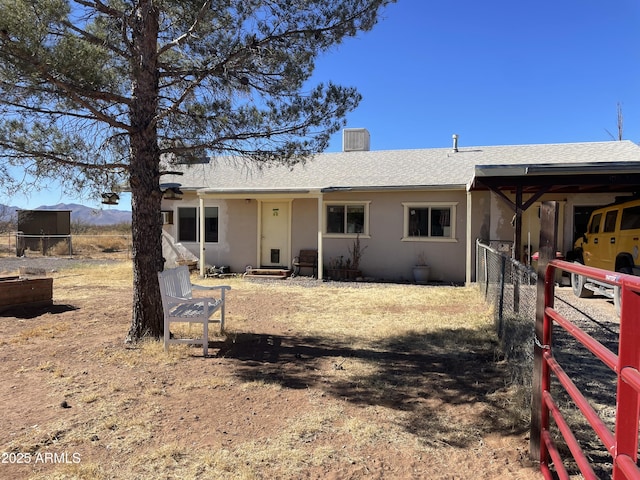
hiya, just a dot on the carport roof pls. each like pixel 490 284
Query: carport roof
pixel 559 178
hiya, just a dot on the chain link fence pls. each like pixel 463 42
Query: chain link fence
pixel 510 287
pixel 112 246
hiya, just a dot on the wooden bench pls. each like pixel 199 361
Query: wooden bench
pixel 178 305
pixel 306 259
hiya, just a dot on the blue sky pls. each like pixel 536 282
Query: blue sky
pixel 496 72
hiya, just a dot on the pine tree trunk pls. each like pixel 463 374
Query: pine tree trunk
pixel 144 177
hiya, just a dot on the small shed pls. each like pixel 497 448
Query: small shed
pixel 42 229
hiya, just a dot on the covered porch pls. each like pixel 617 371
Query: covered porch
pixel 284 223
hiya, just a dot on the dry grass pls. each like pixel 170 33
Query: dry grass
pixel 312 380
pixel 88 244
pixel 88 277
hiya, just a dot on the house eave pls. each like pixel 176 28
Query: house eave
pixel 395 188
pixel 231 193
pixel 235 193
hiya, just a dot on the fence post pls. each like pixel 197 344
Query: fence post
pixel 20 244
pixel 486 273
pixel 548 240
pixel 503 268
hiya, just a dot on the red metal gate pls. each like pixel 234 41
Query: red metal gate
pixel 622 444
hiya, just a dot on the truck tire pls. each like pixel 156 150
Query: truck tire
pixel 577 284
pixel 624 263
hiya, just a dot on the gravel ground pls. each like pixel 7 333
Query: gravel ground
pixel 49 264
pixel 596 316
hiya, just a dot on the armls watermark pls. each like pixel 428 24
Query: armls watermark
pixel 28 458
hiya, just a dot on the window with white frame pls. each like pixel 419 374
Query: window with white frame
pixel 429 221
pixel 189 225
pixel 345 218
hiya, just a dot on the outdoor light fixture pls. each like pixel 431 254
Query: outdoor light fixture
pixel 110 198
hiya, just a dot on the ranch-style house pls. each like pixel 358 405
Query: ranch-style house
pixel 431 204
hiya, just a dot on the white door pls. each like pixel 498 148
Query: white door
pixel 274 250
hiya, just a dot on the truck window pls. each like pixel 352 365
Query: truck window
pixel 610 221
pixel 630 218
pixel 594 226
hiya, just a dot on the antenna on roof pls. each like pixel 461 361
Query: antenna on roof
pixel 620 124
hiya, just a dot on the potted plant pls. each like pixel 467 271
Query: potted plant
pixel 421 270
pixel 341 268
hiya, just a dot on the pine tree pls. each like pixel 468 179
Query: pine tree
pixel 105 92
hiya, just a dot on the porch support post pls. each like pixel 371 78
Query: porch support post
pixel 202 237
pixel 320 223
pixel 259 236
pixel 470 244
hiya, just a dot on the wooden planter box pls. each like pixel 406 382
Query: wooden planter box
pixel 343 274
pixel 16 291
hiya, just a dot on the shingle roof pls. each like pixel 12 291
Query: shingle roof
pixel 431 168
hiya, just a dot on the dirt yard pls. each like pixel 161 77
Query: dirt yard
pixel 312 381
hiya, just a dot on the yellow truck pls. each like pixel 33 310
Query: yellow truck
pixel 611 242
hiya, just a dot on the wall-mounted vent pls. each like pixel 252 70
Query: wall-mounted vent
pixel 355 140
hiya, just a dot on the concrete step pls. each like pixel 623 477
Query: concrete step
pixel 268 273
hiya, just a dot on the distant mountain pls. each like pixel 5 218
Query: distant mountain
pixel 79 214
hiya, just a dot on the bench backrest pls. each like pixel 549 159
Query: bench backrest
pixel 308 256
pixel 176 282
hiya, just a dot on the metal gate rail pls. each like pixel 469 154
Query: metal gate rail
pixel 623 444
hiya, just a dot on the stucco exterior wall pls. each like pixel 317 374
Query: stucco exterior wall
pixel 304 225
pixel 387 255
pixel 501 216
pixel 237 227
pixel 238 243
pixel 480 223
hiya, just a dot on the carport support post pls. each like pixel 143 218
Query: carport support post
pixel 548 241
pixel 517 251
